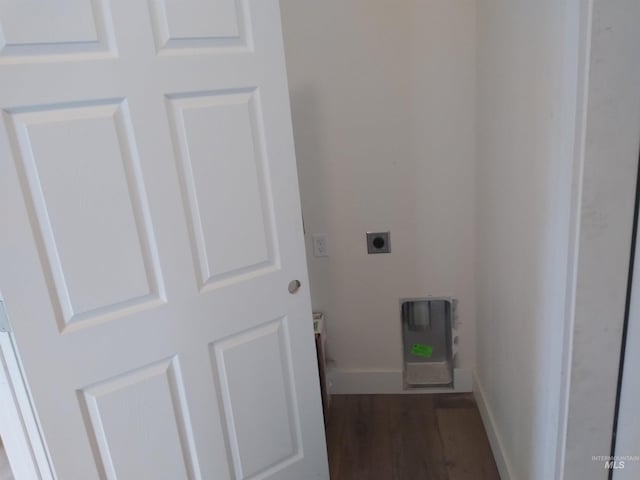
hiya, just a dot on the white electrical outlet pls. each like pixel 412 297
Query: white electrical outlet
pixel 320 245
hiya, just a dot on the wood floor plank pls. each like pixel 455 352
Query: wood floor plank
pixel 407 437
pixel 458 400
pixel 358 429
pixel 466 448
pixel 335 433
pixel 416 447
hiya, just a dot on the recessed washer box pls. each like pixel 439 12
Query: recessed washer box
pixel 378 242
pixel 430 341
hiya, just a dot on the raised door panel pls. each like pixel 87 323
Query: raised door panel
pixel 254 374
pixel 35 28
pixel 127 415
pixel 81 178
pixel 220 151
pixel 198 23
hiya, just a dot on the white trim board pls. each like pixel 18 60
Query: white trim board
pixel 18 425
pixel 609 132
pixel 497 446
pixel 358 382
pixel 5 469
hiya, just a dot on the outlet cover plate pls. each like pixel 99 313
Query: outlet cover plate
pixel 320 245
pixel 378 242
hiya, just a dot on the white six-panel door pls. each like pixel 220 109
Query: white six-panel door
pixel 150 228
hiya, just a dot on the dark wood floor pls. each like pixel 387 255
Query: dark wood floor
pixel 408 437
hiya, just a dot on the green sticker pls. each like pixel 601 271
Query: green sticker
pixel 420 350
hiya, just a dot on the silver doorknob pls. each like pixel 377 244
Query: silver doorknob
pixel 294 286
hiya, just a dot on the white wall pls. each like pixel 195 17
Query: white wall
pixel 526 106
pixel 383 110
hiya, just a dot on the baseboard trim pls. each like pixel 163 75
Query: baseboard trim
pixel 497 446
pixel 355 382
